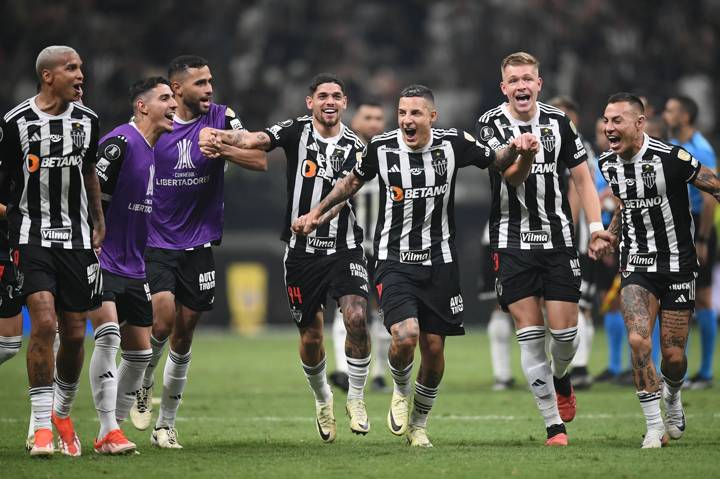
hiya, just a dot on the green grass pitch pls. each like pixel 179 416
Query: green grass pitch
pixel 248 412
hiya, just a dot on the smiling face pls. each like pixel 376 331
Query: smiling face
pixel 159 105
pixel 624 128
pixel 194 89
pixel 65 78
pixel 415 118
pixel 328 102
pixel 521 85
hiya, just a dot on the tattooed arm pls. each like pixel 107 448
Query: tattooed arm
pixel 515 161
pixel 343 189
pixel 615 225
pixel 212 140
pixel 708 182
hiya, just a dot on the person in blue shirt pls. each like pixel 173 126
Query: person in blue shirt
pixel 680 115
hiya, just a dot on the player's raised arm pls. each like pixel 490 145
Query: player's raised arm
pixel 708 182
pixel 212 140
pixel 515 161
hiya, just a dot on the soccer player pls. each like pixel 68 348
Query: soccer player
pixel 369 120
pixel 417 276
pixel 48 150
pixel 680 115
pixel 125 168
pixel 320 149
pixel 532 236
pixel 658 262
pixel 186 221
pixel 10 300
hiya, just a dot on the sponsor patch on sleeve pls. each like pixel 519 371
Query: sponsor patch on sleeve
pixel 684 155
pixel 469 137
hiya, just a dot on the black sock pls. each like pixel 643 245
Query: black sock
pixel 555 429
pixel 563 385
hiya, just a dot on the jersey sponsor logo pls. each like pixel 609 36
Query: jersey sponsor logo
pixel 102 164
pixel 547 138
pixel 542 168
pixel 236 124
pixel 494 143
pixel 33 163
pixel 60 161
pixel 112 152
pixel 486 133
pixel 579 154
pixel 56 234
pixel 56 138
pixel 575 266
pixel 77 133
pixel 469 137
pixel 578 144
pixel 643 202
pixel 456 304
pixel 642 259
pixel 184 161
pixel 535 237
pixel 359 271
pixel 321 242
pixel 140 207
pixel 630 181
pixel 417 171
pixel 648 175
pixel 415 256
pixel 206 281
pixel 93 271
pixel 275 131
pixel 394 169
pixel 399 194
pixel 439 161
pixel 680 286
pixel 683 155
pixel 309 168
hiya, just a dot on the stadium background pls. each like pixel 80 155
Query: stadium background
pixel 262 54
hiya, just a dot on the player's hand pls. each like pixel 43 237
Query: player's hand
pixel 98 236
pixel 307 223
pixel 210 142
pixel 526 145
pixel 601 244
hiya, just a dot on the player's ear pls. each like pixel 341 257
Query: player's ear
pixel 540 83
pixel 503 88
pixel 433 116
pixel 308 102
pixel 640 123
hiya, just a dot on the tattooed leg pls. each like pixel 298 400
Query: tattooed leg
pixel 640 308
pixel 405 336
pixel 312 351
pixel 40 356
pixel 357 341
pixel 673 337
pixel 432 359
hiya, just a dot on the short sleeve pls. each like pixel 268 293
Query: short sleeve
pixel 366 166
pixel 468 152
pixel 89 159
pixel 111 154
pixel 10 152
pixel 683 165
pixel 283 134
pixel 232 121
pixel 572 149
pixel 487 135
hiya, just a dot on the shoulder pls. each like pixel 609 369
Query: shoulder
pixel 605 157
pixel 445 133
pixel 661 147
pixel 17 112
pixel 552 112
pixel 85 110
pixel 384 139
pixel 489 115
pixel 352 138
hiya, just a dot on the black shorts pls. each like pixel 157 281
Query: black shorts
pixel 430 293
pixel 704 279
pixel 605 274
pixel 588 283
pixel 553 275
pixel 73 276
pixel 309 279
pixel 10 297
pixel 673 290
pixel 131 297
pixel 188 274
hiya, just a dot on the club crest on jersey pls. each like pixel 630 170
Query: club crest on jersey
pixel 439 161
pixel 77 133
pixel 547 138
pixel 648 175
pixel 296 315
pixel 184 161
pixel 337 158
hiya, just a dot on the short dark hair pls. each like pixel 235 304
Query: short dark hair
pixel 417 90
pixel 321 78
pixel 563 101
pixel 145 85
pixel 183 62
pixel 629 98
pixel 373 102
pixel 688 105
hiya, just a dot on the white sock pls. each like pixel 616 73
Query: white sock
pixel 358 370
pixel 9 346
pixel 650 403
pixel 586 333
pixel 562 349
pixel 174 381
pixel 64 397
pixel 401 379
pixel 130 377
pixel 499 330
pixel 381 340
pixel 422 404
pixel 537 372
pixel 103 375
pixel 317 379
pixel 157 352
pixel 41 403
pixel 671 390
pixel 338 335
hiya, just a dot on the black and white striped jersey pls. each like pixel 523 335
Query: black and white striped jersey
pixel 314 164
pixel 582 229
pixel 45 158
pixel 536 214
pixel 657 227
pixel 416 220
pixel 367 203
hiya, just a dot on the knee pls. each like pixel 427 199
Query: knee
pixel 639 343
pixel 355 319
pixel 73 338
pixel 406 341
pixel 673 356
pixel 311 338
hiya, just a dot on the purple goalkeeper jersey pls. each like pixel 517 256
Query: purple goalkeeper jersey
pixel 188 198
pixel 125 169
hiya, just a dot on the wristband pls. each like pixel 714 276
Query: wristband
pixel 595 226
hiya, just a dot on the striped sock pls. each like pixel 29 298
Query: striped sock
pixel 41 403
pixel 650 403
pixel 174 381
pixel 317 380
pixel 533 360
pixel 562 349
pixel 401 379
pixel 358 370
pixel 158 347
pixel 65 393
pixel 422 404
pixel 9 347
pixel 130 377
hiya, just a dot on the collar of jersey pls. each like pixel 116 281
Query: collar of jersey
pixel 404 147
pixel 42 114
pixel 176 119
pixel 135 127
pixel 639 154
pixel 333 139
pixel 515 122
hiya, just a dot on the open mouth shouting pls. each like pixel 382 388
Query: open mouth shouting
pixel 614 140
pixel 78 90
pixel 410 133
pixel 522 100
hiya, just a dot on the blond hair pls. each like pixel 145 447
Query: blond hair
pixel 519 58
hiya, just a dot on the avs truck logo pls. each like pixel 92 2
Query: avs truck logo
pixel 415 256
pixel 535 237
pixel 184 161
pixel 642 260
pixel 206 281
pixel 456 304
pixel 56 234
pixel 320 242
